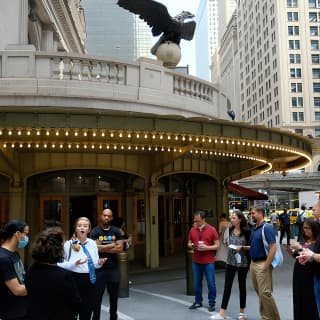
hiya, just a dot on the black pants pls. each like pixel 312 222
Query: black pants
pixel 110 279
pixel 87 294
pixel 229 277
pixel 283 230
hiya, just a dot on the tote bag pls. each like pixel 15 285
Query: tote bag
pixel 278 258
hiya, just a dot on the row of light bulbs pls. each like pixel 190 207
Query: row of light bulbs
pixel 142 135
pixel 127 147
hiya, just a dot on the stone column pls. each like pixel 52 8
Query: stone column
pixel 23 22
pixel 47 41
pixel 152 241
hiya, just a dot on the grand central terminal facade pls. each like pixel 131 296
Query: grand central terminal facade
pixel 80 133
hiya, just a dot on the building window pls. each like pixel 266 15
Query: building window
pixel 294 44
pixel 297 116
pixel 293 16
pixel 316 102
pixel 314 45
pixel 315 58
pixel 292 3
pixel 314 31
pixel 316 87
pixel 296 87
pixel 313 17
pixel 317 116
pixel 293 30
pixel 296 72
pixel 317 135
pixel 294 58
pixel 299 131
pixel 314 3
pixel 315 73
pixel 297 102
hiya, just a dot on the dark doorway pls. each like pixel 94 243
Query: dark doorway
pixel 84 206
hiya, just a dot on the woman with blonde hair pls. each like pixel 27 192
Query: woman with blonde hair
pixel 82 258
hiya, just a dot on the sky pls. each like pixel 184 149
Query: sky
pixel 187 47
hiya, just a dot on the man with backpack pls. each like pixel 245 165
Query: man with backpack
pixel 284 220
pixel 299 222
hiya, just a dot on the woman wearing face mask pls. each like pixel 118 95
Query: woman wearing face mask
pixel 13 302
pixel 82 258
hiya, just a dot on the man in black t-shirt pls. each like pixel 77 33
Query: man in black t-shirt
pixel 110 243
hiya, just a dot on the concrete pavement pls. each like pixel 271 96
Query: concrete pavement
pixel 158 295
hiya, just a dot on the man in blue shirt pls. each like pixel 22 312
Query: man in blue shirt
pixel 260 267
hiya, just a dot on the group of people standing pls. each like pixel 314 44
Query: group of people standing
pixel 67 279
pixel 246 250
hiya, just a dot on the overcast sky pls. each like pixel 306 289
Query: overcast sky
pixel 187 47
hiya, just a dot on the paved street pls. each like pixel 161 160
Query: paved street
pixel 162 295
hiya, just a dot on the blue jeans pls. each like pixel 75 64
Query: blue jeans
pixel 316 284
pixel 208 270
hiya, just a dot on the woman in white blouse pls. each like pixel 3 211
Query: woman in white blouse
pixel 82 258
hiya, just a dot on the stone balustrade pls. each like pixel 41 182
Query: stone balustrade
pixel 144 86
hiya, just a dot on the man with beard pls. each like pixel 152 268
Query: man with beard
pixel 260 267
pixel 109 242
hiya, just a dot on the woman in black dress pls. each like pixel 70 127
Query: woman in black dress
pixel 304 304
pixel 52 291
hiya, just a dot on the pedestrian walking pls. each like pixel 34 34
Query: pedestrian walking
pixel 260 266
pixel 274 222
pixel 13 302
pixel 299 222
pixel 284 220
pixel 110 243
pixel 204 240
pixel 52 291
pixel 237 262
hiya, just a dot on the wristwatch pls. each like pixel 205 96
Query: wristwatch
pixel 312 257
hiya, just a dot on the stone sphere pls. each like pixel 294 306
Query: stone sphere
pixel 169 53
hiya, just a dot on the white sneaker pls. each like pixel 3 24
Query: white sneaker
pixel 217 316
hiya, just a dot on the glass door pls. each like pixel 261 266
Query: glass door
pixel 109 202
pixel 52 212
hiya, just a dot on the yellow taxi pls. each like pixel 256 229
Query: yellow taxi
pixel 293 213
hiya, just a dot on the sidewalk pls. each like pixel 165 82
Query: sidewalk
pixel 161 294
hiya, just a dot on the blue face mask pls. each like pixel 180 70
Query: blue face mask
pixel 23 243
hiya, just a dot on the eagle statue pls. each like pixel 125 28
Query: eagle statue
pixel 173 29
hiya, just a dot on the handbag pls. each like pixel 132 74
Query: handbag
pixel 278 257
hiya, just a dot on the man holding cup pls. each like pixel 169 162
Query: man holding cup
pixel 204 240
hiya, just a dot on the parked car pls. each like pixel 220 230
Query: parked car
pixel 293 213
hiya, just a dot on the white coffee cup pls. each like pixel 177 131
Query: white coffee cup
pixel 200 244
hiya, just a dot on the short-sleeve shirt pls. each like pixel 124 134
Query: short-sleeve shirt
pixel 208 235
pixel 257 250
pixel 107 236
pixel 11 267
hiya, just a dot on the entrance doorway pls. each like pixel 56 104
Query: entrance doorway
pixel 82 206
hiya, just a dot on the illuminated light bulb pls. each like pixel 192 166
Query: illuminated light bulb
pixel 215 153
pixel 69 146
pixel 238 143
pixel 169 137
pixel 120 135
pixel 57 133
pixel 258 145
pixel 142 148
pixel 53 146
pixel 85 146
pixel 45 145
pixel 176 138
pixel 122 147
pixel 102 134
pixel 93 146
pixel 76 133
pixel 66 133
pixel 183 138
pixel 232 142
pixel 149 148
pixel 168 150
pixel 203 140
pixel 180 150
pixel 29 145
pixel 161 137
pixel 146 136
pixel 114 147
pixel 19 133
pixel 77 146
pixel 221 141
pixel 253 144
pixel 153 136
pixel 196 151
pixel 206 152
pixel 248 144
pixel 211 153
pixel 243 143
pixel 129 135
pixel 162 149
pixel 28 133
pixel 201 151
pixel 111 134
pixel 9 132
pixel 94 134
pixel 85 134
pixel 190 139
pixel 191 151
pixel 227 142
pixel 48 133
pixel 137 135
pixel 129 147
pixel 100 146
pixel 210 140
pixel 37 145
pixel 136 148
pixel 108 147
pixel 21 145
pixel 38 133
pixel 156 149
pixel 174 150
pixel 0 132
pixel 197 139
pixel 61 146
pixel 4 145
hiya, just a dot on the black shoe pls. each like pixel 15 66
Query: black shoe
pixel 212 307
pixel 195 306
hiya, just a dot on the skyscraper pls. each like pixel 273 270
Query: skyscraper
pixel 206 35
pixel 279 64
pixel 114 32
